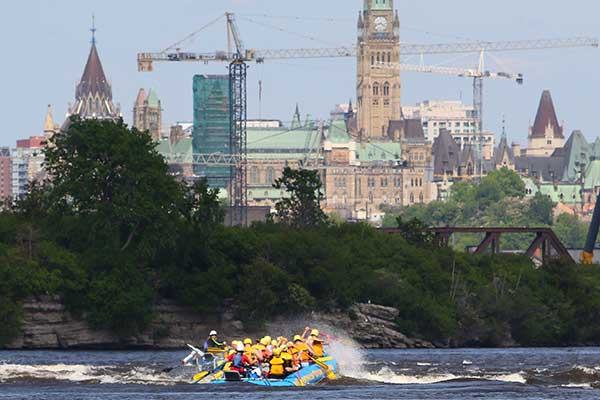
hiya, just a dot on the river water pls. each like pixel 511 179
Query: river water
pixel 570 373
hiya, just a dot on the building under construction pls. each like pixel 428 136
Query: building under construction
pixel 212 126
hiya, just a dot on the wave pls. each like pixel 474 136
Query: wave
pixel 87 374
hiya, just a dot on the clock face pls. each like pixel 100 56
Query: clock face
pixel 380 24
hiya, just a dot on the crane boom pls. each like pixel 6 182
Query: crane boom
pixel 145 60
pixel 455 71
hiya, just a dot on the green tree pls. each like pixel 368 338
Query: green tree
pixel 540 209
pixel 302 207
pixel 113 178
pixel 570 230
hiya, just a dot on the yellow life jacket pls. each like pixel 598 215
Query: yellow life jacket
pixel 277 366
pixel 304 349
pixel 318 347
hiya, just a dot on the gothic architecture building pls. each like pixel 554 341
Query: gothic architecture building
pixel 147 113
pixel 378 81
pixel 546 134
pixel 93 95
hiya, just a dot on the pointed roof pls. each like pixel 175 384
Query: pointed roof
pixel 546 117
pixel 49 124
pixel 577 151
pixel 152 98
pixel 141 98
pixel 93 72
pixel 296 118
pixel 446 153
pixel 502 149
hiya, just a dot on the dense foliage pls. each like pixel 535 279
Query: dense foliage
pixel 498 200
pixel 112 233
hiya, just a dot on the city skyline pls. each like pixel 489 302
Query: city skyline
pixel 62 42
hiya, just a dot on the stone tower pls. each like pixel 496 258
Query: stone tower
pixel 546 134
pixel 147 113
pixel 378 89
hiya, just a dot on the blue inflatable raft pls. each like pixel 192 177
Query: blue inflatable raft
pixel 310 375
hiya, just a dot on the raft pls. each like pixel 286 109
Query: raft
pixel 310 375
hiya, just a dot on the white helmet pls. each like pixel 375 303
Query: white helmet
pixel 212 333
pixel 240 347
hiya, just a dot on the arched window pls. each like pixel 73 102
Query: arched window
pixel 370 197
pixel 386 89
pixel 389 57
pixel 378 57
pixel 412 198
pixel 372 58
pixel 421 199
pixel 270 175
pixel 469 169
pixel 254 175
pixel 376 89
pixel 420 182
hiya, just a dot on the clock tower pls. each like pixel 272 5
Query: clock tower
pixel 378 87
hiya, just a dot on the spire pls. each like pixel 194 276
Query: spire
pixel 93 29
pixel 503 127
pixel 93 72
pixel 152 98
pixel 546 119
pixel 141 98
pixel 296 118
pixel 49 124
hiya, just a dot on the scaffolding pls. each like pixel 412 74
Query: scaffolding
pixel 212 126
pixel 238 193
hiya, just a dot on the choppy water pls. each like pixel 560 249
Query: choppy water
pixel 385 374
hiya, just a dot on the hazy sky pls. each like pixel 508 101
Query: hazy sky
pixel 45 44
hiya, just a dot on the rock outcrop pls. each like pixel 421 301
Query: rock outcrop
pixel 47 325
pixel 374 326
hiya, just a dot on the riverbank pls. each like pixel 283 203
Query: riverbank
pixel 46 324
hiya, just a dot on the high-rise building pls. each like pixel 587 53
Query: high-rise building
pixel 212 125
pixel 378 89
pixel 93 96
pixel 5 174
pixel 27 163
pixel 147 113
pixel 546 134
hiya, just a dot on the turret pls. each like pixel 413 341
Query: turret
pixel 396 24
pixel 360 26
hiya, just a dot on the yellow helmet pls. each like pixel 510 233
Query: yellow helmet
pixel 234 343
pixel 297 337
pixel 314 332
pixel 273 343
pixel 277 352
pixel 265 342
pixel 247 341
pixel 268 338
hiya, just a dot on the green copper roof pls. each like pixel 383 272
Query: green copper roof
pixel 379 4
pixel 378 151
pixel 577 152
pixel 182 149
pixel 592 175
pixel 531 188
pixel 567 194
pixel 281 143
pixel 152 98
pixel 337 132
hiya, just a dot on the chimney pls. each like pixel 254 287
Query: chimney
pixel 516 148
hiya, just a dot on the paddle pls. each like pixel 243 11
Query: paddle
pixel 330 374
pixel 195 352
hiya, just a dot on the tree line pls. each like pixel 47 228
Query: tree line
pixel 111 233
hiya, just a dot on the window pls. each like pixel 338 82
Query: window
pixel 420 182
pixel 270 175
pixel 386 89
pixel 376 89
pixel 372 59
pixel 389 56
pixel 378 57
pixel 254 175
pixel 370 197
pixel 421 199
pixel 412 198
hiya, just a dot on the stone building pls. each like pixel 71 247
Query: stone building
pixel 456 118
pixel 378 89
pixel 147 113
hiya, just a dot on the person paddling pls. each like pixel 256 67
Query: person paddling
pixel 239 360
pixel 314 342
pixel 212 342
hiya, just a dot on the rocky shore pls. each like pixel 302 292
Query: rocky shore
pixel 47 325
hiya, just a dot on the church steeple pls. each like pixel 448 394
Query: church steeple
pixel 50 127
pixel 296 123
